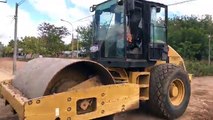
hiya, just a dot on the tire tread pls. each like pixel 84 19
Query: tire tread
pixel 159 75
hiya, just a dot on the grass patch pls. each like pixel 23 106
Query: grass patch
pixel 199 68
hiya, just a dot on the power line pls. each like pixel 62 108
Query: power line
pixel 172 4
pixel 12 20
pixel 21 2
pixel 182 2
pixel 82 18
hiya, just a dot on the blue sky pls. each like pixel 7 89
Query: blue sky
pixel 34 12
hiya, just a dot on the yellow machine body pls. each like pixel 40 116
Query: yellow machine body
pixel 143 78
pixel 90 99
pixel 108 99
pixel 64 105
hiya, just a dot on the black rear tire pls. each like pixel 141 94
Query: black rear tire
pixel 162 76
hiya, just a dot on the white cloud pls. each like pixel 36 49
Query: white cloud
pixel 197 7
pixel 6 23
pixel 26 26
pixel 58 9
pixel 53 8
pixel 86 3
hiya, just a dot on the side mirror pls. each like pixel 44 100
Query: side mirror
pixel 92 8
pixel 120 2
pixel 158 9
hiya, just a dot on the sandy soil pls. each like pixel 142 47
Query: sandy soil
pixel 200 107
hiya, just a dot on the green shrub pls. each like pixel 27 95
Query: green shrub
pixel 199 68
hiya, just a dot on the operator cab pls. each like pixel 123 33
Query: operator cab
pixel 129 33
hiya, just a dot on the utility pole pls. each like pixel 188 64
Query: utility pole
pixel 209 50
pixel 72 42
pixel 72 47
pixel 15 39
pixel 77 45
pixel 15 36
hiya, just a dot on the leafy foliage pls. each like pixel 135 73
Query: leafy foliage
pixel 186 34
pixel 199 68
pixel 33 45
pixel 85 34
pixel 52 38
pixel 49 43
pixel 8 50
pixel 1 49
pixel 189 35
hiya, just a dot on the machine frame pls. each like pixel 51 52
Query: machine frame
pixel 150 51
pixel 65 105
pixel 66 88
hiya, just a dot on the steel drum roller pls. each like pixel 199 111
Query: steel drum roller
pixel 45 76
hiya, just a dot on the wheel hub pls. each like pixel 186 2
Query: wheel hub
pixel 176 92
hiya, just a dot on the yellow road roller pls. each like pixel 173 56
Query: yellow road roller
pixel 130 62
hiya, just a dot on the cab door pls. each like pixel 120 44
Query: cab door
pixel 158 48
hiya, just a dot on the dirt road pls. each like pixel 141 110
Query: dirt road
pixel 200 107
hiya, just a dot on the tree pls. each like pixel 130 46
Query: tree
pixel 33 45
pixel 1 49
pixel 11 43
pixel 85 34
pixel 8 50
pixel 189 35
pixel 52 37
pixel 49 43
